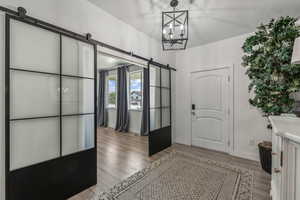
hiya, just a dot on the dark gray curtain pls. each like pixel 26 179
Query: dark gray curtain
pixel 145 116
pixel 122 122
pixel 102 112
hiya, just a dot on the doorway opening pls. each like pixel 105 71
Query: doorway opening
pixel 120 95
pixel 122 130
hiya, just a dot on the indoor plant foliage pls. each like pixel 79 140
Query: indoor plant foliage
pixel 267 57
pixel 268 54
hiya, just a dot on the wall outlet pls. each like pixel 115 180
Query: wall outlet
pixel 252 142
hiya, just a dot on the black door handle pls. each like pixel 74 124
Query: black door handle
pixel 193 106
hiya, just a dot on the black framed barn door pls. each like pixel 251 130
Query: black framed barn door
pixel 160 127
pixel 50 112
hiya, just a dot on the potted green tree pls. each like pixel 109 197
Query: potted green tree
pixel 273 79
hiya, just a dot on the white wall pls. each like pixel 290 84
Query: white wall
pixel 79 16
pixel 249 125
pixel 135 121
pixel 135 117
pixel 111 117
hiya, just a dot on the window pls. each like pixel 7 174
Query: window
pixel 111 91
pixel 135 90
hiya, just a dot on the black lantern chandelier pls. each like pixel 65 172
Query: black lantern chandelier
pixel 175 28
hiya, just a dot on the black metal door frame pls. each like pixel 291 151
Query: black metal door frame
pixel 161 138
pixel 62 177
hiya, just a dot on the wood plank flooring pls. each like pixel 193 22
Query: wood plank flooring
pixel 122 154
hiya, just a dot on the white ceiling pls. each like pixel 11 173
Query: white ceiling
pixel 210 20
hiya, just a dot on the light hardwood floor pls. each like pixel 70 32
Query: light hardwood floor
pixel 122 154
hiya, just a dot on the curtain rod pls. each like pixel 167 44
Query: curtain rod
pixel 22 14
pixel 108 69
pixel 120 58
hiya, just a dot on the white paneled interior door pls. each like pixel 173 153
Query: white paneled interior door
pixel 210 96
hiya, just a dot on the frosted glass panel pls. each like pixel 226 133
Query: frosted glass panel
pixel 154 97
pixel 77 58
pixel 77 133
pixel 154 119
pixel 166 117
pixel 165 93
pixel 154 76
pixel 33 48
pixel 33 141
pixel 33 95
pixel 77 95
pixel 165 78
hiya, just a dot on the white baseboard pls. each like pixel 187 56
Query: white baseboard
pixel 181 141
pixel 249 156
pixel 245 155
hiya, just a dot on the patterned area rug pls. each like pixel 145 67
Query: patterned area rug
pixel 184 176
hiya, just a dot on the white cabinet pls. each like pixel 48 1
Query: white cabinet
pixel 291 170
pixel 276 166
pixel 285 158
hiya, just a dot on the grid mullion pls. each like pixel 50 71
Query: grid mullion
pixel 156 86
pixel 170 95
pixel 60 95
pixel 159 107
pixel 50 73
pixel 79 77
pixel 53 116
pixel 160 98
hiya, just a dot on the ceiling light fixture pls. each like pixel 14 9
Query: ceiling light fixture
pixel 175 28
